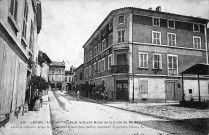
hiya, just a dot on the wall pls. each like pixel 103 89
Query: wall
pixel 156 90
pixel 193 84
pixel 14 56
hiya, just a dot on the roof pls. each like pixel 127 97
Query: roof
pixel 81 66
pixel 144 10
pixel 58 64
pixel 44 56
pixel 197 69
pixel 68 72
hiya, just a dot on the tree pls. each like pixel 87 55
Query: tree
pixel 36 85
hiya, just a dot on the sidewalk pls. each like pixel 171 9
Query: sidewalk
pixel 32 123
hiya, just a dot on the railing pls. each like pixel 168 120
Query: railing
pixel 119 69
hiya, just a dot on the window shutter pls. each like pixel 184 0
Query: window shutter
pixel 16 7
pixel 12 7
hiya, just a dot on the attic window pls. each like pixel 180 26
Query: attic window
pixel 121 19
pixel 196 27
pixel 156 21
pixel 171 24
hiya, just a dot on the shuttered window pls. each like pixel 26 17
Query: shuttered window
pixel 143 89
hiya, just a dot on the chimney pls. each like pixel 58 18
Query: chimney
pixel 158 9
pixel 150 8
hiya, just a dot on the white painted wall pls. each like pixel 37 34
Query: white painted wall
pixel 193 84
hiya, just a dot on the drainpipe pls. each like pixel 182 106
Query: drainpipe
pixel 131 72
pixel 199 86
pixel 206 43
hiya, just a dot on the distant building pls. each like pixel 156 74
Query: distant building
pixel 78 77
pixel 68 79
pixel 20 24
pixel 43 68
pixel 43 65
pixel 57 73
pixel 139 54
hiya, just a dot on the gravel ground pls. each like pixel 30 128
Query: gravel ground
pixel 170 111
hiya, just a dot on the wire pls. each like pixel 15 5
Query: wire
pixel 143 3
pixel 135 3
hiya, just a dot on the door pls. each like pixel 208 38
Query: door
pixel 170 90
pixel 173 90
pixel 122 90
pixel 121 59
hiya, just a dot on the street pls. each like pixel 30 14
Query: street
pixel 72 117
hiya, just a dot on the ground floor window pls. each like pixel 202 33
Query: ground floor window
pixel 143 88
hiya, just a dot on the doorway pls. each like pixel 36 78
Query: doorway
pixel 122 90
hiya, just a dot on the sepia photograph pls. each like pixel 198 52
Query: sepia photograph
pixel 104 67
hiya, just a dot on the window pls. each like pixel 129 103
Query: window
pixel 99 48
pixel 171 39
pixel 156 21
pixel 196 42
pixel 103 45
pixel 81 76
pixel 31 37
pixel 156 37
pixel 95 51
pixel 110 41
pixel 143 60
pixel 95 67
pixel 103 64
pixel 157 61
pixel 196 27
pixel 103 31
pixel 13 8
pixel 60 70
pixel 172 65
pixel 84 58
pixel 109 61
pixel 121 34
pixel 171 24
pixel 90 70
pixel 24 30
pixel 143 88
pixel 121 19
pixel 52 70
pixel 90 55
pixel 99 65
pixel 111 24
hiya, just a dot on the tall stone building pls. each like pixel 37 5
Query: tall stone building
pixel 20 24
pixel 57 73
pixel 139 54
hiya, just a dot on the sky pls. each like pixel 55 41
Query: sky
pixel 68 24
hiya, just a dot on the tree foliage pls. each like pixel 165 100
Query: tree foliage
pixel 38 82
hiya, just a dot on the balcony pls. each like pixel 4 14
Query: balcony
pixel 119 69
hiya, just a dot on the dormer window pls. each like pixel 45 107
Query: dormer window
pixel 121 19
pixel 156 21
pixel 171 24
pixel 196 27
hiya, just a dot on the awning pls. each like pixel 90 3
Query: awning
pixel 197 69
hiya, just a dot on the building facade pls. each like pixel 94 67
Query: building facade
pixel 43 65
pixel 139 54
pixel 78 77
pixel 20 24
pixel 57 74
